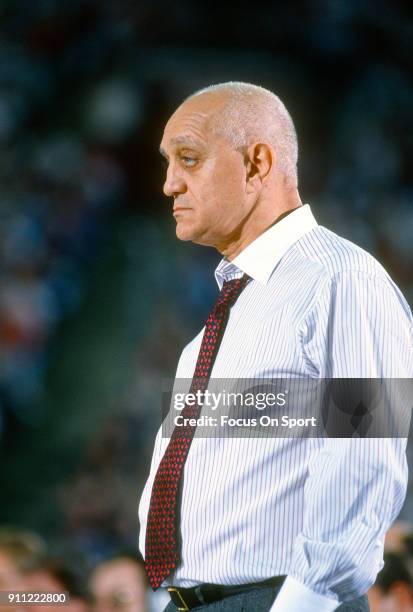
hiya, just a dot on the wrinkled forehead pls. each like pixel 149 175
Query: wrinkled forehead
pixel 192 122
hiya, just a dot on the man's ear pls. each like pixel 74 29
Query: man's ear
pixel 259 159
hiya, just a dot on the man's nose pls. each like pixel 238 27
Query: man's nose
pixel 174 183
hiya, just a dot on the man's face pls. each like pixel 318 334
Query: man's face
pixel 10 579
pixel 44 581
pixel 205 176
pixel 119 584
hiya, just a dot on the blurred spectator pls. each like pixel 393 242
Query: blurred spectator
pixel 120 583
pixel 58 575
pixel 393 590
pixel 20 551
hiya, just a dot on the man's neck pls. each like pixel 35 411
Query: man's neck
pixel 236 246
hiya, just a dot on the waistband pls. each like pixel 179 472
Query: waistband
pixel 188 598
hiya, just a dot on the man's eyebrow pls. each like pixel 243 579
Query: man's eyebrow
pixel 182 140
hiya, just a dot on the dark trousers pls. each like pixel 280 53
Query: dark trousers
pixel 261 600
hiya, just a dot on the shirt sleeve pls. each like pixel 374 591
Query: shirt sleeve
pixel 360 327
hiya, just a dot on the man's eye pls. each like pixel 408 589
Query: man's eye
pixel 188 161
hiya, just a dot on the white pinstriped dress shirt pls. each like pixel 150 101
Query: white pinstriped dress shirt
pixel 313 509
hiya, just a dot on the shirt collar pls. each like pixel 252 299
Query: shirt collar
pixel 259 258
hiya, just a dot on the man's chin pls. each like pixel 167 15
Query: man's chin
pixel 185 233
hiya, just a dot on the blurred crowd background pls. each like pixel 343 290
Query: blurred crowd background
pixel 97 298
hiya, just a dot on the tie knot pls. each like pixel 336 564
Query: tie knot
pixel 230 291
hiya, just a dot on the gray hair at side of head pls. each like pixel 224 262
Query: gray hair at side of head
pixel 255 114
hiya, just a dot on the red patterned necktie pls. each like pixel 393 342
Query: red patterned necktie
pixel 161 548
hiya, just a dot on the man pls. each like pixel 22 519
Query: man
pixel 280 524
pixel 119 583
pixel 20 551
pixel 58 574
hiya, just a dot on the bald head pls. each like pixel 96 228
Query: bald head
pixel 246 113
pixel 231 158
